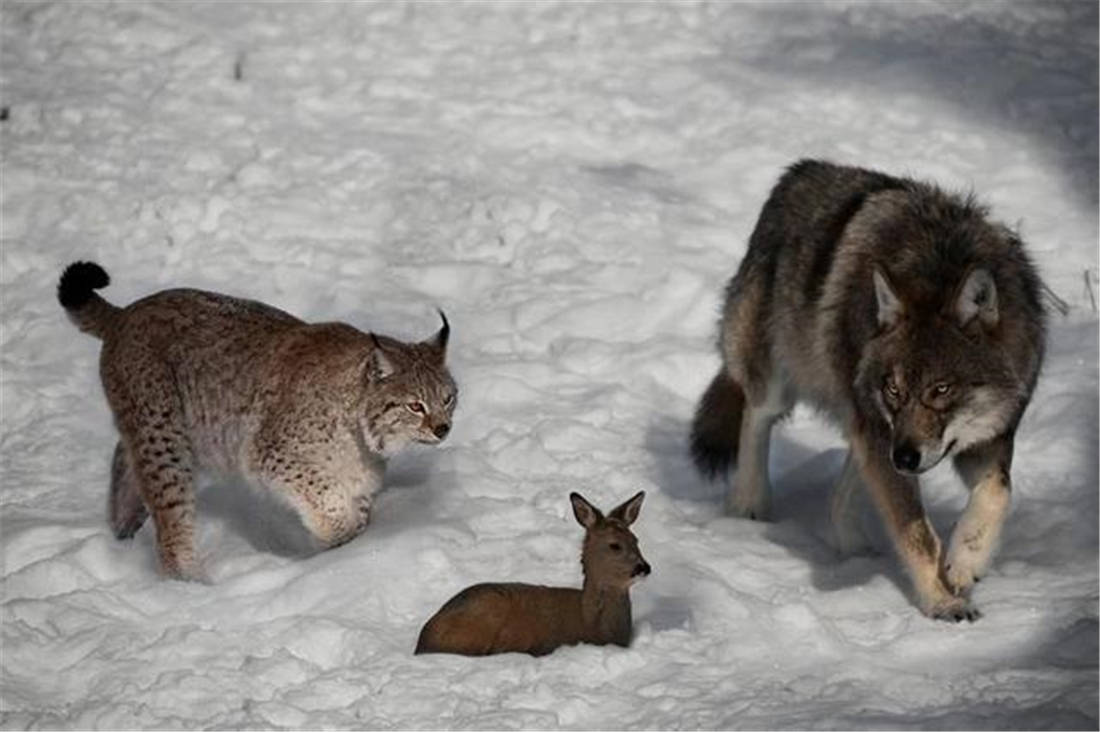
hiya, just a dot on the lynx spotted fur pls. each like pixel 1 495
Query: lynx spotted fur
pixel 198 380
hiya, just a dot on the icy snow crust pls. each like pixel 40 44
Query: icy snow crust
pixel 573 184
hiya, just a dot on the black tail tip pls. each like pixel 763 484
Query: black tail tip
pixel 77 283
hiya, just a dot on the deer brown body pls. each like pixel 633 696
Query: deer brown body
pixel 512 617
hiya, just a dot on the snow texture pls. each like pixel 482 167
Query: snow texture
pixel 573 183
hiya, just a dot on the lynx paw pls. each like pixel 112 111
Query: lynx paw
pixel 185 571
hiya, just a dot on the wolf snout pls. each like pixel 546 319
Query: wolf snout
pixel 641 569
pixel 906 458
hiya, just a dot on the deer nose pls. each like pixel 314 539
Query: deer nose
pixel 641 568
pixel 441 430
pixel 906 457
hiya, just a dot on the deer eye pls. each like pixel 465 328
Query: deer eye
pixel 615 546
pixel 415 407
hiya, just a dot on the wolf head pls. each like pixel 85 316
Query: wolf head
pixel 410 394
pixel 936 373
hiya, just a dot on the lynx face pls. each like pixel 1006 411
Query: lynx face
pixel 411 395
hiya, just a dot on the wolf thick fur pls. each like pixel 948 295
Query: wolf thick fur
pixel 198 380
pixel 915 322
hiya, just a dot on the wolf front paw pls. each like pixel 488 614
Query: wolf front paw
pixel 965 563
pixel 961 576
pixel 954 610
pixel 753 511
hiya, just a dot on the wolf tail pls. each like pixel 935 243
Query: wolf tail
pixel 716 429
pixel 76 293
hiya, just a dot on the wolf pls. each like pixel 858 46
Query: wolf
pixel 910 318
pixel 309 411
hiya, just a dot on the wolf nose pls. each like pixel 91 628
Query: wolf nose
pixel 441 430
pixel 906 458
pixel 642 568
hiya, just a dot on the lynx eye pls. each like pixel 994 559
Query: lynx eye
pixel 416 407
pixel 449 400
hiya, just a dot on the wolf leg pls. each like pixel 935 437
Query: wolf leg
pixel 844 510
pixel 986 473
pixel 125 508
pixel 750 494
pixel 897 498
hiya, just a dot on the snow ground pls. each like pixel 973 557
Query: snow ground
pixel 573 184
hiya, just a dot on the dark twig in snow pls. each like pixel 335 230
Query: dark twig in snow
pixel 1089 277
pixel 1056 302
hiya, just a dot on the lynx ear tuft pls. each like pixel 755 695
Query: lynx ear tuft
pixel 439 340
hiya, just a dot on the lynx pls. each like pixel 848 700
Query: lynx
pixel 309 411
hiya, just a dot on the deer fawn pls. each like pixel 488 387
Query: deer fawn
pixel 506 617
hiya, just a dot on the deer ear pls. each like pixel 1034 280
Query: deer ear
pixel 587 514
pixel 890 308
pixel 378 365
pixel 438 342
pixel 978 296
pixel 628 511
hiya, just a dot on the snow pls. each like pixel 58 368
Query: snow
pixel 573 184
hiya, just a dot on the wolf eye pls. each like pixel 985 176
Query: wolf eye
pixel 615 546
pixel 415 407
pixel 941 389
pixel 891 389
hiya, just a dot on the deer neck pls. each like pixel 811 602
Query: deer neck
pixel 605 612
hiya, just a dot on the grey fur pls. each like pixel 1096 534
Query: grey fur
pixel 198 380
pixel 910 318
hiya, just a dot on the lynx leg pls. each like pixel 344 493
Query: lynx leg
pixel 986 473
pixel 897 499
pixel 150 419
pixel 750 495
pixel 848 535
pixel 164 464
pixel 125 508
pixel 334 505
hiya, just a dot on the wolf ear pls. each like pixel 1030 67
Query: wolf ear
pixel 628 511
pixel 378 365
pixel 438 342
pixel 978 296
pixel 587 514
pixel 890 308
